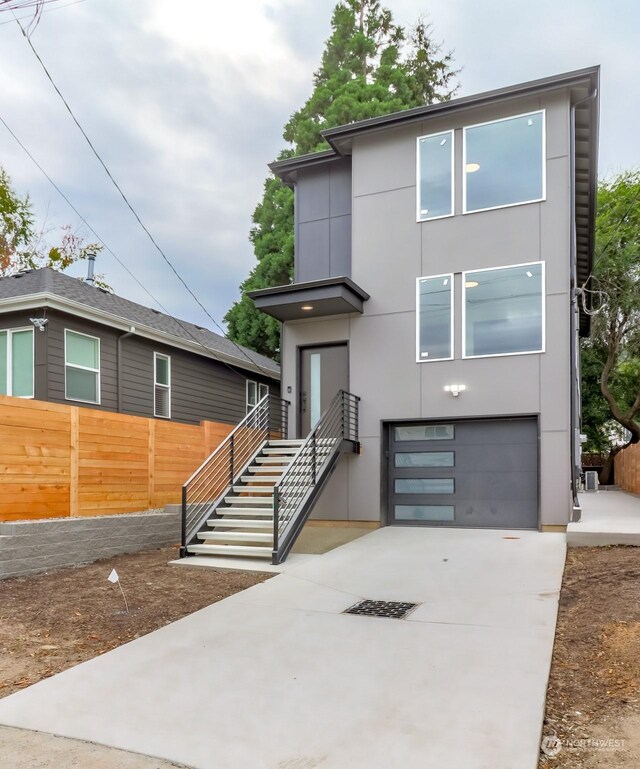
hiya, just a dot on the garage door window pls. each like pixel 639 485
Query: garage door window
pixel 424 486
pixel 424 433
pixel 424 512
pixel 504 310
pixel 424 459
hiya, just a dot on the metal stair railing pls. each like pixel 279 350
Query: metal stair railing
pixel 296 492
pixel 205 490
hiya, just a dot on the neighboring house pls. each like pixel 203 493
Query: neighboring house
pixel 438 254
pixel 64 341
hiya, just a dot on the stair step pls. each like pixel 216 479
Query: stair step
pixel 284 461
pixel 236 536
pixel 296 442
pixel 255 501
pixel 246 523
pixel 252 489
pixel 283 450
pixel 233 512
pixel 260 469
pixel 237 550
pixel 254 478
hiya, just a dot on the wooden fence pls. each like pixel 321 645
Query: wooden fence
pixel 627 468
pixel 58 461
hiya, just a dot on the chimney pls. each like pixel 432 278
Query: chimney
pixel 91 259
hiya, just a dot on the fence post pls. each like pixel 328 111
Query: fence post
pixel 151 474
pixel 74 460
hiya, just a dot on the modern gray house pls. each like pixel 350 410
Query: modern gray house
pixel 65 341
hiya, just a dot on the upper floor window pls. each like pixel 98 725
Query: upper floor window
pixel 435 176
pixel 81 367
pixel 503 310
pixel 16 362
pixel 435 318
pixel 504 163
pixel 255 393
pixel 161 385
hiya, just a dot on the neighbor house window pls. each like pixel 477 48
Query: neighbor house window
pixel 504 310
pixel 435 176
pixel 161 385
pixel 81 367
pixel 255 393
pixel 16 362
pixel 504 162
pixel 434 318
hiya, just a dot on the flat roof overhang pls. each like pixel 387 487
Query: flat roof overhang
pixel 313 299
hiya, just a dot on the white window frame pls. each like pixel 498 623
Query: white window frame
pixel 156 384
pixel 82 368
pixel 543 300
pixel 419 218
pixel 449 275
pixel 9 332
pixel 543 158
pixel 260 387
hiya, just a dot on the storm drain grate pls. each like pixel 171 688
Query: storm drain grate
pixel 389 609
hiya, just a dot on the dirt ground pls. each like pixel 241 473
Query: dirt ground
pixel 52 621
pixel 592 716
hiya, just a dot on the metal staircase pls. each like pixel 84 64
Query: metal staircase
pixel 252 496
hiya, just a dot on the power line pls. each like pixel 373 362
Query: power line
pixel 117 258
pixel 126 200
pixel 45 10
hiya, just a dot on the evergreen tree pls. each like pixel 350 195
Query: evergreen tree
pixel 370 67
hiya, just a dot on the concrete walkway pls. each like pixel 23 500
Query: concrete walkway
pixel 276 677
pixel 609 517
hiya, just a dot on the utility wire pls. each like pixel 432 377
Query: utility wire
pixel 126 200
pixel 199 342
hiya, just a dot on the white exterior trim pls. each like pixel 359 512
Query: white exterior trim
pixel 419 217
pixel 449 275
pixel 54 302
pixel 9 332
pixel 82 368
pixel 166 387
pixel 543 159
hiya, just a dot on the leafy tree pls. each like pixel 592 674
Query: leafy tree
pixel 611 357
pixel 23 247
pixel 370 67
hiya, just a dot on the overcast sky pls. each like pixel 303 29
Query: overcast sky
pixel 186 100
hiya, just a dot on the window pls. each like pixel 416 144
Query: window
pixel 435 176
pixel 504 310
pixel 161 385
pixel 504 163
pixel 424 433
pixel 16 362
pixel 434 318
pixel 81 367
pixel 424 486
pixel 424 459
pixel 424 512
pixel 255 393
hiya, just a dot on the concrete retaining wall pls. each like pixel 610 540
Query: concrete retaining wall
pixel 28 547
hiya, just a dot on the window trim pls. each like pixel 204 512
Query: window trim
pixel 9 332
pixel 451 277
pixel 83 368
pixel 419 218
pixel 258 385
pixel 542 199
pixel 157 355
pixel 543 317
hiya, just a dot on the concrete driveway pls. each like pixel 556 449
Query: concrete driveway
pixel 276 677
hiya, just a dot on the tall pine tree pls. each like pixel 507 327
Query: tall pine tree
pixel 370 67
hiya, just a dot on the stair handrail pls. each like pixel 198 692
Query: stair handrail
pixel 338 424
pixel 205 489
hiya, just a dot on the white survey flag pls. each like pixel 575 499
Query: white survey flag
pixel 113 577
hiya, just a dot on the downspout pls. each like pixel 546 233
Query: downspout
pixel 574 314
pixel 131 332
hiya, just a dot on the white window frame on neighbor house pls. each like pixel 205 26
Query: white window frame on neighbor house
pixel 450 276
pixel 9 360
pixel 419 216
pixel 543 318
pixel 96 371
pixel 260 387
pixel 543 158
pixel 161 385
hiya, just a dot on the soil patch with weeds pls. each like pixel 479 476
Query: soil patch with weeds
pixel 593 700
pixel 52 621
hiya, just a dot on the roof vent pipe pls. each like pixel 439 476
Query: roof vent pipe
pixel 91 259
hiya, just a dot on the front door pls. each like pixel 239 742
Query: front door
pixel 323 371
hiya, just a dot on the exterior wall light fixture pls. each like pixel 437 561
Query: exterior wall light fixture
pixel 455 389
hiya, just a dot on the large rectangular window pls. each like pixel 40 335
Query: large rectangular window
pixel 16 362
pixel 434 318
pixel 255 393
pixel 504 162
pixel 81 367
pixel 435 176
pixel 504 310
pixel 161 385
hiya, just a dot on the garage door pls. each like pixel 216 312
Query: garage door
pixel 476 473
